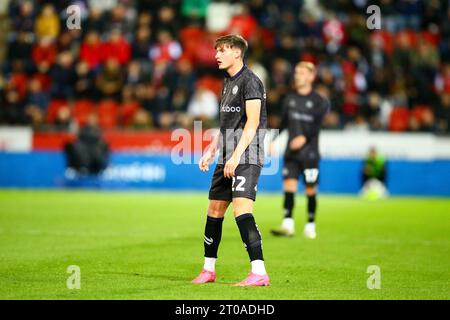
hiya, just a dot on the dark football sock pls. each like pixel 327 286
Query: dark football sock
pixel 213 235
pixel 288 204
pixel 312 204
pixel 250 236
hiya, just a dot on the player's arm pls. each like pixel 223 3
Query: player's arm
pixel 299 139
pixel 207 157
pixel 283 126
pixel 253 111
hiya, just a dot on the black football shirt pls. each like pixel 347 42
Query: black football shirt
pixel 303 115
pixel 243 86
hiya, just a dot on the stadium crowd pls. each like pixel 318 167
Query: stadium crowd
pixel 147 63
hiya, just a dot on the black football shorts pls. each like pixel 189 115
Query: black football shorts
pixel 242 185
pixel 309 168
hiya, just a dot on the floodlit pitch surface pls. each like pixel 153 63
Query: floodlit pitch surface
pixel 148 245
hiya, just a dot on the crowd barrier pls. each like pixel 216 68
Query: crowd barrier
pixel 46 169
pixel 417 164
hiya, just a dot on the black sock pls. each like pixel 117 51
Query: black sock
pixel 288 204
pixel 213 235
pixel 312 203
pixel 250 236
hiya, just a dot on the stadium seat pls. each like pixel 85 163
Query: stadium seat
pixel 20 82
pixel 399 119
pixel 211 83
pixel 189 38
pixel 420 112
pixel 107 114
pixel 431 37
pixel 81 111
pixel 410 34
pixel 127 112
pixel 386 38
pixel 53 108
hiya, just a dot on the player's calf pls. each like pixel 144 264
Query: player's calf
pixel 253 242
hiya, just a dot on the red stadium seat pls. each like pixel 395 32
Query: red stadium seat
pixel 399 119
pixel 411 35
pixel 53 109
pixel 420 112
pixel 423 114
pixel 386 38
pixel 431 37
pixel 189 38
pixel 211 83
pixel 107 114
pixel 81 111
pixel 127 112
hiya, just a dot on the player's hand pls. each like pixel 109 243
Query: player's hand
pixel 297 143
pixel 230 166
pixel 204 162
pixel 272 149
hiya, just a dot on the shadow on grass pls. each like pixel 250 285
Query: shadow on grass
pixel 183 280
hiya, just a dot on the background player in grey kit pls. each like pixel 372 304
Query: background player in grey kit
pixel 303 111
pixel 243 120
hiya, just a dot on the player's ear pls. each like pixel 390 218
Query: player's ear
pixel 237 53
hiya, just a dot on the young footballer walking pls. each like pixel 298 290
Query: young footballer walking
pixel 303 111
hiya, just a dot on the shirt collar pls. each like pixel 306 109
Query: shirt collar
pixel 237 74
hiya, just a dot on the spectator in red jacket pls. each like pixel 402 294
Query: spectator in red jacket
pixel 44 52
pixel 18 79
pixel 116 47
pixel 91 49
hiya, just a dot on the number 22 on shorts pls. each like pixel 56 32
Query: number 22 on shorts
pixel 240 186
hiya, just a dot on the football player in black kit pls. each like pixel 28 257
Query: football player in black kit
pixel 240 142
pixel 303 111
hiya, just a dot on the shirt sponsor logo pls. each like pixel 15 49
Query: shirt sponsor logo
pixel 227 108
pixel 302 116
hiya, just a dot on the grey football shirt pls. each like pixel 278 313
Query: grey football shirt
pixel 243 86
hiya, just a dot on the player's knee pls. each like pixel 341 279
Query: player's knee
pixel 242 209
pixel 311 190
pixel 216 211
pixel 290 189
pixel 290 185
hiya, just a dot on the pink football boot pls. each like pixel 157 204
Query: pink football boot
pixel 254 280
pixel 205 276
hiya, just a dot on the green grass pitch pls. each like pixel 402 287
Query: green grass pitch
pixel 149 245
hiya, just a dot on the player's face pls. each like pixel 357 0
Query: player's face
pixel 226 56
pixel 303 77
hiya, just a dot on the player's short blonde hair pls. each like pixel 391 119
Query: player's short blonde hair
pixel 307 65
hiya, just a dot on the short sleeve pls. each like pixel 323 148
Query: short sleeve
pixel 253 89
